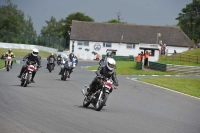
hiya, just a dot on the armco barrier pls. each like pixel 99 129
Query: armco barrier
pixel 121 58
pixel 157 66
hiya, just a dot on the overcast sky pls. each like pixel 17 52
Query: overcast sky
pixel 141 12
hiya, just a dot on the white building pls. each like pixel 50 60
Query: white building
pixel 88 38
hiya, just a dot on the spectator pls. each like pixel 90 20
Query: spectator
pixel 175 52
pixel 139 58
pixel 97 57
pixel 141 54
pixel 147 54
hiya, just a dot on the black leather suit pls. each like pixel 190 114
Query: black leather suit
pixel 103 71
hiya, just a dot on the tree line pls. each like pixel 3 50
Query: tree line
pixel 16 28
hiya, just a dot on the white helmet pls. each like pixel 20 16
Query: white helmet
pixel 111 63
pixel 35 52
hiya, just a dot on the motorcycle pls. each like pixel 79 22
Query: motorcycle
pixel 59 61
pixel 100 94
pixel 51 64
pixel 8 62
pixel 76 60
pixel 27 74
pixel 66 70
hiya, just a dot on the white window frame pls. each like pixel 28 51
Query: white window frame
pixel 83 43
pixel 130 46
pixel 106 44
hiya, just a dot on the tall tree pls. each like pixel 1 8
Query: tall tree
pixel 11 23
pixel 29 34
pixel 67 22
pixel 189 20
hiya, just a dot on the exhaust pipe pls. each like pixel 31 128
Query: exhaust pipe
pixel 82 90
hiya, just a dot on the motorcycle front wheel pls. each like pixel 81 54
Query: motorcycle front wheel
pixel 100 103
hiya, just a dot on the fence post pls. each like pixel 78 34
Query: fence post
pixel 180 57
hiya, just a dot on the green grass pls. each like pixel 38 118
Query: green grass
pixel 187 86
pixel 23 52
pixel 192 53
pixel 20 53
pixel 128 68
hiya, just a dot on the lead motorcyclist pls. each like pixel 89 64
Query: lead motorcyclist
pixel 9 54
pixel 31 57
pixel 71 59
pixel 48 59
pixel 106 71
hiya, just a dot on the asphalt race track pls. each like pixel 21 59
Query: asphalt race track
pixel 53 106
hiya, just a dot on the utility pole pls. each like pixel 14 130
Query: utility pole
pixel 118 16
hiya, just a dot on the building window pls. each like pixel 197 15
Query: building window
pixel 130 46
pixel 106 44
pixel 83 43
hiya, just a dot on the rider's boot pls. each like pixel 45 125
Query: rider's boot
pixel 11 64
pixel 20 75
pixel 33 75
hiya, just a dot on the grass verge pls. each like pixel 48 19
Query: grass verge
pixel 23 52
pixel 20 53
pixel 186 86
pixel 128 68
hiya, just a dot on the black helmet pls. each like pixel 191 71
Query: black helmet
pixel 71 55
pixel 108 54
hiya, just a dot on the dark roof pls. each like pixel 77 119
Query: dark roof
pixel 108 32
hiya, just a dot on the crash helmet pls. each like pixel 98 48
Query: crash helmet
pixel 71 56
pixel 111 64
pixel 9 50
pixel 35 52
pixel 108 54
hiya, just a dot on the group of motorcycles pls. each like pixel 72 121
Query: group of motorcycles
pixel 97 98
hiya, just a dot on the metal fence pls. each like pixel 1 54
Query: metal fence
pixel 184 58
pixel 53 42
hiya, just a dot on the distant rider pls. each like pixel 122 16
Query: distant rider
pixel 48 59
pixel 71 59
pixel 31 57
pixel 9 54
pixel 102 62
pixel 106 71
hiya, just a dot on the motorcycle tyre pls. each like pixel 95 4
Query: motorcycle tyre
pixel 7 67
pixel 26 80
pixel 85 102
pixel 100 106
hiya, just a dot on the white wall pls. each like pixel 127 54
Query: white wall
pixel 121 50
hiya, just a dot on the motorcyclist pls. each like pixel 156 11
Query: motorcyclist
pixel 59 58
pixel 76 60
pixel 106 71
pixel 9 54
pixel 102 62
pixel 71 59
pixel 48 59
pixel 31 57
